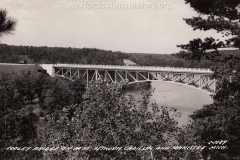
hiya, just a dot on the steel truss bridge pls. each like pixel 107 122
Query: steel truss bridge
pixel 193 77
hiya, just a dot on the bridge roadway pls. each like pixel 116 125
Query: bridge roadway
pixel 135 68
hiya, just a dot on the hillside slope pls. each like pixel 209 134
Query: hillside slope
pixel 14 54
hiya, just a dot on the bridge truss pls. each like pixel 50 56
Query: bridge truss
pixel 197 78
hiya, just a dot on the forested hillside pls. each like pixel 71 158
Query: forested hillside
pixel 14 54
pixel 215 56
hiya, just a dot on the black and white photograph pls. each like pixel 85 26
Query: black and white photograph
pixel 120 79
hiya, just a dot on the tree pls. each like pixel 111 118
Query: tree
pixel 220 15
pixel 17 123
pixel 7 24
pixel 78 87
pixel 10 97
pixel 107 118
pixel 56 96
pixel 220 120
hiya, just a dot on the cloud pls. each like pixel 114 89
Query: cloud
pixel 15 3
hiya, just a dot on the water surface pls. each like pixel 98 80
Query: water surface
pixel 184 98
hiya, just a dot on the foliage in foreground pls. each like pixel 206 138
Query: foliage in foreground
pixel 220 120
pixel 7 24
pixel 23 99
pixel 106 118
pixel 103 116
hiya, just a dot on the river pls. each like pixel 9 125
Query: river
pixel 184 98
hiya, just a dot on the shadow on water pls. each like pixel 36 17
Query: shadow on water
pixel 136 87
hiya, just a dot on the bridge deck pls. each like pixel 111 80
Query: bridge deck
pixel 135 68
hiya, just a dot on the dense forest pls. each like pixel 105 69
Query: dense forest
pixel 36 109
pixel 14 54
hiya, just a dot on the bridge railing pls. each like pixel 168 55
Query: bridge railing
pixel 132 67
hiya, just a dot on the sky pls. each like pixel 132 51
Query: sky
pixel 68 23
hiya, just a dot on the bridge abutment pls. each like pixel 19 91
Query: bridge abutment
pixel 49 68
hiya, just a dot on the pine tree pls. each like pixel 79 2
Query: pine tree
pixel 7 24
pixel 220 15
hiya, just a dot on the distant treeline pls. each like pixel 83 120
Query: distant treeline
pixel 14 54
pixel 214 56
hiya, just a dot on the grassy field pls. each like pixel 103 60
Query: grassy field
pixel 18 68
